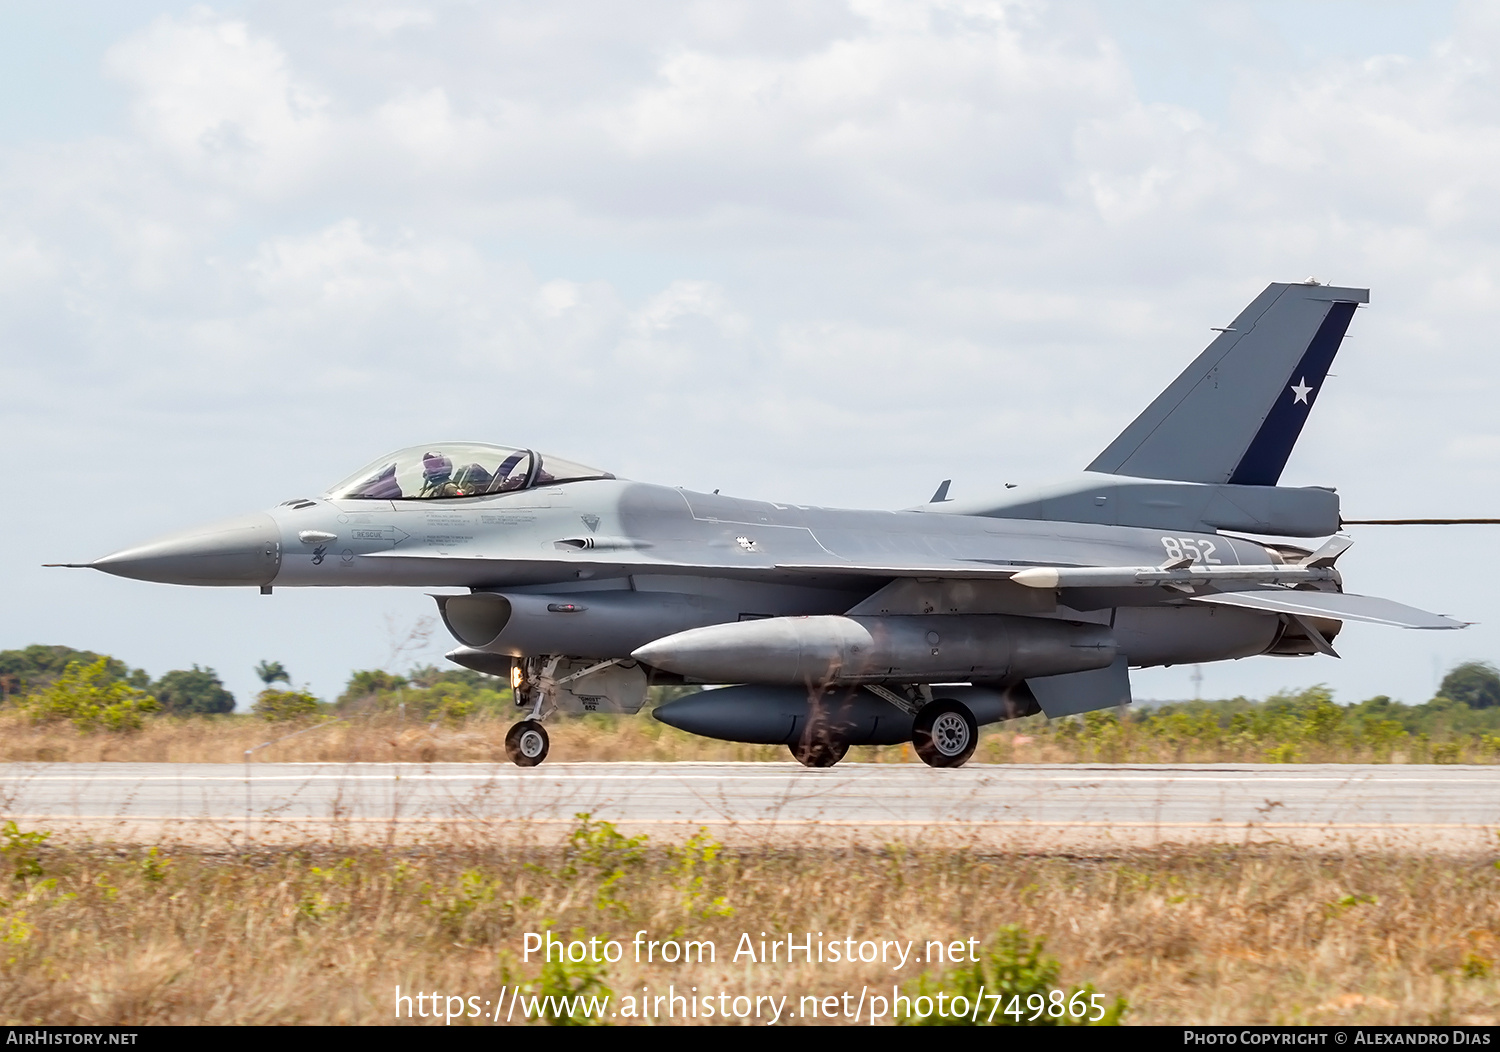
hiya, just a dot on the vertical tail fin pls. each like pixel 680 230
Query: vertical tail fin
pixel 1236 412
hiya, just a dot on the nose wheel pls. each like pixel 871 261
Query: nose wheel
pixel 944 734
pixel 526 743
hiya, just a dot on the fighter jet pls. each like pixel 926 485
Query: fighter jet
pixel 825 628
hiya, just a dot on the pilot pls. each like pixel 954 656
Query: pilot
pixel 437 477
pixel 505 481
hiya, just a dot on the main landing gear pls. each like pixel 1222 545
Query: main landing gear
pixel 526 743
pixel 944 734
pixel 822 752
pixel 821 743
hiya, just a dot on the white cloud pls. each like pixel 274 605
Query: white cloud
pixel 440 142
pixel 221 100
pixel 382 21
pixel 688 325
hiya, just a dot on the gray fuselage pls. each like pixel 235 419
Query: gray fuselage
pixel 745 558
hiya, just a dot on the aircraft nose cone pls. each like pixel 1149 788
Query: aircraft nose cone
pixel 243 550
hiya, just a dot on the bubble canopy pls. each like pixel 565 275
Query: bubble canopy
pixel 458 469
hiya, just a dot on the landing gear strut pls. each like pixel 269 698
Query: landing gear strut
pixel 945 734
pixel 526 743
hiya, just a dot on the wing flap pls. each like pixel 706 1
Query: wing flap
pixel 1340 606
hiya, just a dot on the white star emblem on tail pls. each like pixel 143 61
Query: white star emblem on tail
pixel 1300 391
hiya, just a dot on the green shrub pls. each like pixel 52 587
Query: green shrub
pixel 599 852
pixel 277 705
pixel 19 850
pixel 91 699
pixel 1018 988
pixel 569 993
pixel 450 696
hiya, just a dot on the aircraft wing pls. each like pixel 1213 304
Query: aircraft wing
pixel 954 570
pixel 1179 574
pixel 1339 606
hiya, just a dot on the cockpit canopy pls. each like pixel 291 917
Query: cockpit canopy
pixel 458 469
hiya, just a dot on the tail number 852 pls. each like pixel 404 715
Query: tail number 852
pixel 1199 549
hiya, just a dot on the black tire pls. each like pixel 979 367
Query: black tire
pixel 822 752
pixel 526 743
pixel 945 734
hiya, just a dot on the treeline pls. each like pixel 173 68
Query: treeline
pixel 427 692
pixel 1295 727
pixel 98 691
pixel 184 692
pixel 94 691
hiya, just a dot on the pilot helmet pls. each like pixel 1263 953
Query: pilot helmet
pixel 436 467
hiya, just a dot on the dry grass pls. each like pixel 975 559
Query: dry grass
pixel 385 738
pixel 323 935
pixel 382 738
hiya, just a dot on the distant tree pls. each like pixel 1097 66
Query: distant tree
pixel 660 695
pixel 427 692
pixel 278 705
pixel 367 685
pixel 272 672
pixel 425 676
pixel 196 692
pixel 1474 683
pixel 38 666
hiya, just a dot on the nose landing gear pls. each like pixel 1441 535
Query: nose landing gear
pixel 526 743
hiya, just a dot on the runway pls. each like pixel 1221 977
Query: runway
pixel 1042 806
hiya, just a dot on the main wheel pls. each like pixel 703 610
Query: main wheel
pixel 526 743
pixel 822 752
pixel 944 734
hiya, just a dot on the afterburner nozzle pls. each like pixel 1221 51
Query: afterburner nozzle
pixel 245 550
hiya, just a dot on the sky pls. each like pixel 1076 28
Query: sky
pixel 826 253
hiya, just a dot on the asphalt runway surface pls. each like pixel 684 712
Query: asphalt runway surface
pixel 1050 807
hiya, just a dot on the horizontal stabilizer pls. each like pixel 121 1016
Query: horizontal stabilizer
pixel 1340 606
pixel 1075 692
